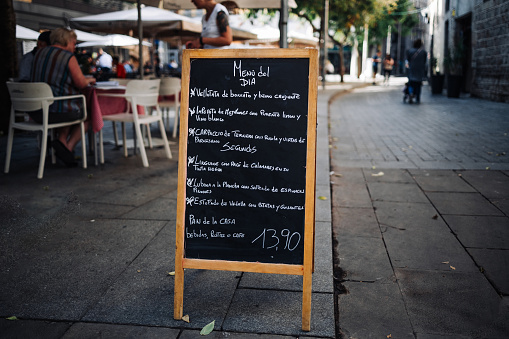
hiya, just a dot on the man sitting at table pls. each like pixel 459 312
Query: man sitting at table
pixel 65 78
pixel 25 66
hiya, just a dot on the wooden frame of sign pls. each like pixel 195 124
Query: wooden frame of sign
pixel 246 179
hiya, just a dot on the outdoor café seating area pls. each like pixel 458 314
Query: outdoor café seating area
pixel 131 104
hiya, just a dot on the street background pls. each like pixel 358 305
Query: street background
pixel 412 234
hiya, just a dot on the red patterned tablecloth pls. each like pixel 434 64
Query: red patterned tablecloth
pixel 97 105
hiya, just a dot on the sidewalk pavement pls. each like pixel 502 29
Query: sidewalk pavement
pixel 420 215
pixel 86 253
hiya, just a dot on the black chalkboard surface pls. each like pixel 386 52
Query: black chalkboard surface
pixel 246 160
pixel 247 165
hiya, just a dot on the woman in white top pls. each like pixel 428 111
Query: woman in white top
pixel 216 31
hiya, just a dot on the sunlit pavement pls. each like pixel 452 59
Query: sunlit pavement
pixel 420 203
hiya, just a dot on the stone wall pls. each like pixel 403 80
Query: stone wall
pixel 490 50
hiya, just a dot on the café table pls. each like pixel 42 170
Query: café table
pixel 98 106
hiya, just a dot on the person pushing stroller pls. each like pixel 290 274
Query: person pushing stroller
pixel 416 70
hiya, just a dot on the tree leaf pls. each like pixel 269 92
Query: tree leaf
pixel 322 198
pixel 208 328
pixel 186 318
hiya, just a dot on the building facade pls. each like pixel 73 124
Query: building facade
pixel 474 33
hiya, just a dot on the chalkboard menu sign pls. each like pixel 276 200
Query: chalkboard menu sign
pixel 247 159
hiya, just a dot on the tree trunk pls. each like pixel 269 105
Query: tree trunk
pixel 341 63
pixel 8 59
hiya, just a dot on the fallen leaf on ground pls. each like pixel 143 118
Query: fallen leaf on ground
pixel 186 318
pixel 379 174
pixel 322 198
pixel 435 216
pixel 452 267
pixel 12 318
pixel 208 328
pixel 445 262
pixel 46 188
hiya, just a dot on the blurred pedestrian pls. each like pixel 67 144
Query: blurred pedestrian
pixel 376 60
pixel 388 64
pixel 416 59
pixel 216 30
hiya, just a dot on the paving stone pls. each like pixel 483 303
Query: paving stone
pixel 480 231
pixel 143 293
pixel 494 264
pixel 157 209
pixel 454 303
pixel 355 222
pixel 491 184
pixel 415 239
pixel 40 329
pixel 443 184
pixel 65 266
pixel 346 194
pixel 502 204
pixel 189 334
pixel 363 259
pixel 402 192
pixel 279 312
pixel 388 175
pixel 373 310
pixel 462 204
pixel 92 331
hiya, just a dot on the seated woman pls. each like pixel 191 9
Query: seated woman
pixel 57 66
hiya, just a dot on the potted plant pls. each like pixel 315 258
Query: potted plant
pixel 453 64
pixel 437 79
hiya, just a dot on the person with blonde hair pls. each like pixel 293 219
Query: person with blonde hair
pixel 57 66
pixel 216 30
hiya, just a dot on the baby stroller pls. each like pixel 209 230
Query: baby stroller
pixel 408 93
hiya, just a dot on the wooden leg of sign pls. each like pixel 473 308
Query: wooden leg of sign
pixel 306 301
pixel 178 297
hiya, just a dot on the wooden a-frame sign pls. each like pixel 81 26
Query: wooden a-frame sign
pixel 246 178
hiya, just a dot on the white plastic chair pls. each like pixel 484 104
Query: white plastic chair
pixel 170 86
pixel 34 96
pixel 143 93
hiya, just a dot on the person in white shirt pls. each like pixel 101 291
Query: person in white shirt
pixel 216 30
pixel 104 61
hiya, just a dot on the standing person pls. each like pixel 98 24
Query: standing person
pixel 104 61
pixel 376 60
pixel 388 64
pixel 118 68
pixel 416 58
pixel 25 66
pixel 65 78
pixel 216 30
